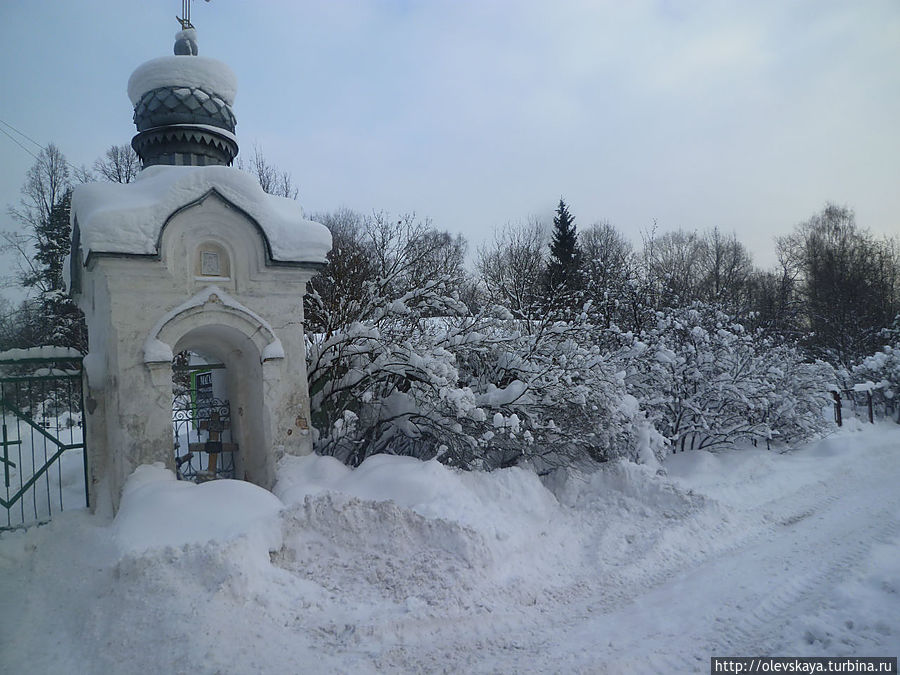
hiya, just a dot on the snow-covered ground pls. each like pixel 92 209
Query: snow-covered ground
pixel 404 566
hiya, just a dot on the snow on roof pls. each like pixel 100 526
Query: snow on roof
pixel 40 353
pixel 128 218
pixel 183 71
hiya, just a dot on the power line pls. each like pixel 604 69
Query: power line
pixel 21 133
pixel 16 141
pixel 29 138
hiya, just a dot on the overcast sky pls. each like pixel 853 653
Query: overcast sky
pixel 744 115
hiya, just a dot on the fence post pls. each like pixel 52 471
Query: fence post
pixel 869 403
pixel 837 408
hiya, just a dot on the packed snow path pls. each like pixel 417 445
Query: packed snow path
pixel 738 553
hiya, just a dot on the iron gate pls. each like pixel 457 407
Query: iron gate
pixel 202 427
pixel 42 447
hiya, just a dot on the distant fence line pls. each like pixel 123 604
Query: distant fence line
pixel 885 408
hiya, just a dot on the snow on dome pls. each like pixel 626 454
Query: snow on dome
pixel 183 71
pixel 128 217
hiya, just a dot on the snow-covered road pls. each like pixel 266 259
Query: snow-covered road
pixel 737 553
pixel 786 584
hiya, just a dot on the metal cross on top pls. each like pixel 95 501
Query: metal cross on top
pixel 185 18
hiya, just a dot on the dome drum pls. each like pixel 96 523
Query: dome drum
pixel 185 145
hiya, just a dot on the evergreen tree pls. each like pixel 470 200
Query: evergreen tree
pixel 564 267
pixel 52 242
pixel 64 321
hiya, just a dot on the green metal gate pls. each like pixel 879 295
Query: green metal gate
pixel 42 442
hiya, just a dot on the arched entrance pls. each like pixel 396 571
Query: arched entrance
pixel 226 349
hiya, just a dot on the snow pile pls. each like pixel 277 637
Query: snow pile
pixel 491 519
pixel 157 511
pixel 183 71
pixel 406 566
pixel 129 218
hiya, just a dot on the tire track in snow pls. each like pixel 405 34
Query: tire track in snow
pixel 774 577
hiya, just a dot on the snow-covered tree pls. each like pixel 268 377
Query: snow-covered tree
pixel 404 366
pixel 706 382
pixel 381 378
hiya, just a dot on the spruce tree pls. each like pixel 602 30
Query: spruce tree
pixel 564 267
pixel 64 321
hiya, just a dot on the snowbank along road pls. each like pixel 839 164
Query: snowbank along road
pixel 404 566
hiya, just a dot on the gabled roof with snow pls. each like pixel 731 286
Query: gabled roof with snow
pixel 129 218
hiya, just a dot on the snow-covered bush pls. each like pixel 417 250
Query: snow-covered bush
pixel 421 376
pixel 882 370
pixel 403 366
pixel 559 388
pixel 706 382
pixel 800 390
pixel 386 382
pixel 400 364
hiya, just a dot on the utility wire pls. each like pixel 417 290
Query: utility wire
pixel 16 141
pixel 21 133
pixel 29 138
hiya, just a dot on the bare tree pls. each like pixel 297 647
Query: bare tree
pixel 512 268
pixel 671 263
pixel 42 245
pixel 726 267
pixel 45 183
pixel 847 283
pixel 774 302
pixel 381 256
pixel 336 295
pixel 272 180
pixel 683 267
pixel 120 164
pixel 609 269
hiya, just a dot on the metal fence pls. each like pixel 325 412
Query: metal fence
pixel 42 443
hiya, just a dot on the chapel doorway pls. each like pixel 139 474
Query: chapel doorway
pixel 201 419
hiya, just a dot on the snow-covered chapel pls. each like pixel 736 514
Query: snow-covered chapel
pixel 192 257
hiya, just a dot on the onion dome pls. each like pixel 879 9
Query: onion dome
pixel 183 108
